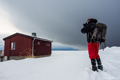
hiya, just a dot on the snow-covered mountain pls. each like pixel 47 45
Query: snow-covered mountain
pixel 63 65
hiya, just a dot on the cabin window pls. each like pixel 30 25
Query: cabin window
pixel 47 44
pixel 12 45
pixel 37 43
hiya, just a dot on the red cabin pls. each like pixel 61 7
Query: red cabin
pixel 21 45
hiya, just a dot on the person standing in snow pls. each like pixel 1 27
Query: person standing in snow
pixel 93 47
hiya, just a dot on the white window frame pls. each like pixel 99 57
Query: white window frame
pixel 12 45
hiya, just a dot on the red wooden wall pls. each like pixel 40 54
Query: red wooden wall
pixel 21 44
pixel 42 48
pixel 7 47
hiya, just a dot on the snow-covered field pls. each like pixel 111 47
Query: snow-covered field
pixel 63 65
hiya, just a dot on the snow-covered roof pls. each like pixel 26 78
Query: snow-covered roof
pixel 27 36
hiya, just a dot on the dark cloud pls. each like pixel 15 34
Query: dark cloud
pixel 61 20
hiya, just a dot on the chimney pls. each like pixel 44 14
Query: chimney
pixel 34 35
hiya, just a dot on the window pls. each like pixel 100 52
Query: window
pixel 47 44
pixel 37 43
pixel 13 45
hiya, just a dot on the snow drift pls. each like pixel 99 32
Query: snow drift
pixel 63 65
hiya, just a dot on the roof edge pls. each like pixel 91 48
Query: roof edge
pixel 27 36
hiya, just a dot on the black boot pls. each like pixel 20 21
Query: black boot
pixel 93 62
pixel 99 64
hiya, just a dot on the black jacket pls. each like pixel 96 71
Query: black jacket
pixel 88 28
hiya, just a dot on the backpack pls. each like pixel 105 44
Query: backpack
pixel 99 33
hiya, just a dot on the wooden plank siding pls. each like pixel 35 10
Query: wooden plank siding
pixel 7 47
pixel 42 48
pixel 22 44
pixel 47 48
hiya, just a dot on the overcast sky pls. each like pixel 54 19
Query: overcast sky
pixel 59 20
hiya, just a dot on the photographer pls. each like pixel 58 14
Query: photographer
pixel 93 47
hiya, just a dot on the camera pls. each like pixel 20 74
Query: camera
pixel 85 24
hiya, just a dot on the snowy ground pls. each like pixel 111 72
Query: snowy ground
pixel 63 65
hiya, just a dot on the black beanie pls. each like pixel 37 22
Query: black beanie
pixel 93 21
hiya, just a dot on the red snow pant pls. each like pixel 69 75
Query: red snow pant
pixel 93 49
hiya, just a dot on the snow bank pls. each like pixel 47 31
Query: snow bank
pixel 63 65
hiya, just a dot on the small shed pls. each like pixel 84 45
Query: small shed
pixel 19 46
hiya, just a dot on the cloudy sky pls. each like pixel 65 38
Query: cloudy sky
pixel 59 20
